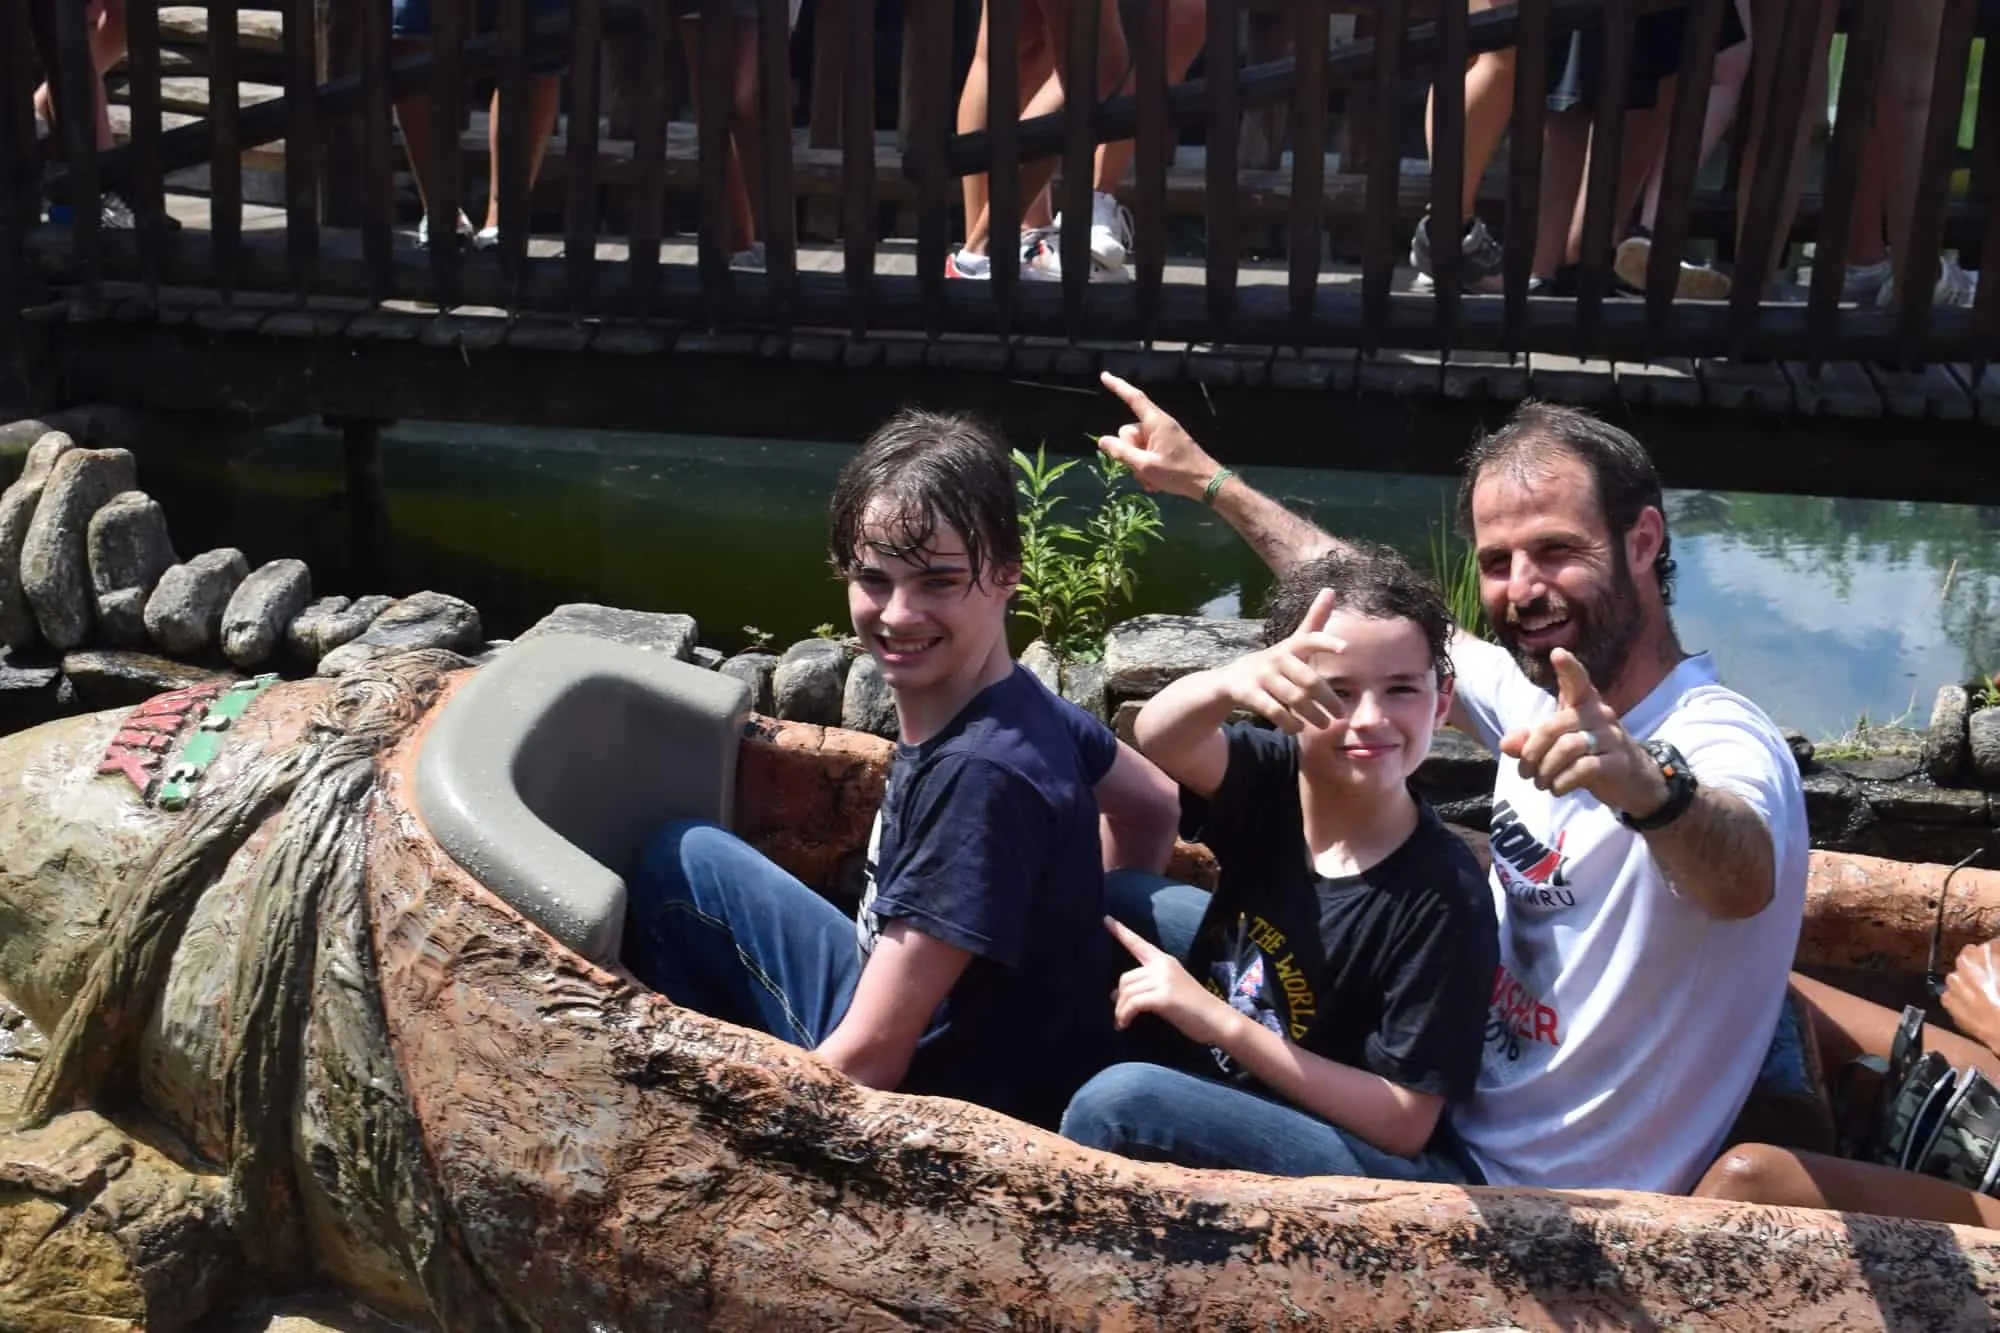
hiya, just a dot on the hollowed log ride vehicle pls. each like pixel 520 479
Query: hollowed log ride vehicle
pixel 328 969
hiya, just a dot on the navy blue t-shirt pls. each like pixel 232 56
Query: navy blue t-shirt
pixel 988 840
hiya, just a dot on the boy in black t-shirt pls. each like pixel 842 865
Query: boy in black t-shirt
pixel 976 967
pixel 1332 994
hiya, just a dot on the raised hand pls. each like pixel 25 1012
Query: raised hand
pixel 1581 747
pixel 1161 454
pixel 1972 994
pixel 1160 985
pixel 1284 684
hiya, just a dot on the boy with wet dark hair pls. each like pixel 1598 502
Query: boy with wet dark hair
pixel 975 968
pixel 1327 1005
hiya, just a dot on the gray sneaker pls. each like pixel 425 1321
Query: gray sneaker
pixel 1480 263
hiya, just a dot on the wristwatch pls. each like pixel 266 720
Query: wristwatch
pixel 1680 788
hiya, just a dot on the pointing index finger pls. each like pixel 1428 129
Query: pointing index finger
pixel 1132 396
pixel 1573 685
pixel 1135 944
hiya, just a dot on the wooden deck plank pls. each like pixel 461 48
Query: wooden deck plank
pixel 1485 375
pixel 1840 388
pixel 1756 386
pixel 1589 381
pixel 1316 370
pixel 1669 382
pixel 260 30
pixel 1928 392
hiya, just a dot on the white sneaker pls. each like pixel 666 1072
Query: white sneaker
pixel 1110 235
pixel 1862 283
pixel 464 231
pixel 1039 260
pixel 751 259
pixel 1955 286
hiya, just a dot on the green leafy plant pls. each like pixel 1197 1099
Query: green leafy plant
pixel 825 630
pixel 1073 577
pixel 758 639
pixel 1455 567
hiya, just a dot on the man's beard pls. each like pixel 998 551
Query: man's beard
pixel 1607 627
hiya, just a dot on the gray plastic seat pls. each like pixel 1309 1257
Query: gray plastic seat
pixel 545 773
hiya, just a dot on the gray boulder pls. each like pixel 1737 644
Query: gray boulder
pixel 1983 736
pixel 655 631
pixel 1083 685
pixel 254 622
pixel 809 682
pixel 118 679
pixel 755 670
pixel 330 622
pixel 17 512
pixel 128 549
pixel 421 620
pixel 1041 662
pixel 866 704
pixel 1946 743
pixel 1144 655
pixel 55 559
pixel 711 658
pixel 185 611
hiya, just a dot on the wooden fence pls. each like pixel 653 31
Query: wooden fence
pixel 336 129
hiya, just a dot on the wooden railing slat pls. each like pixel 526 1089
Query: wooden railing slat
pixel 1600 196
pixel 712 100
pixel 857 138
pixel 930 27
pixel 1308 156
pixel 147 193
pixel 377 169
pixel 1225 110
pixel 1861 75
pixel 1003 182
pixel 72 79
pixel 1756 255
pixel 580 217
pixel 779 224
pixel 450 23
pixel 649 155
pixel 1524 159
pixel 1448 165
pixel 1921 265
pixel 1152 154
pixel 512 168
pixel 225 162
pixel 1079 77
pixel 1381 237
pixel 1682 160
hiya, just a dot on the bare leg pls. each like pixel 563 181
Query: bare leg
pixel 746 129
pixel 1187 33
pixel 544 91
pixel 1645 138
pixel 1725 96
pixel 1565 152
pixel 1760 1173
pixel 107 48
pixel 413 117
pixel 1765 54
pixel 1489 104
pixel 742 229
pixel 1112 58
pixel 1845 1026
pixel 1038 88
pixel 1902 110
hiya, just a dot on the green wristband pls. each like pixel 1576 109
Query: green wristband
pixel 1215 484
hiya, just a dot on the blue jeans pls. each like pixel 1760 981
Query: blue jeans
pixel 714 925
pixel 1147 1110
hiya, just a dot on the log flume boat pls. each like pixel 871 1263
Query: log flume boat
pixel 342 952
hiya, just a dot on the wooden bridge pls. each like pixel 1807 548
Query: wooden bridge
pixel 292 284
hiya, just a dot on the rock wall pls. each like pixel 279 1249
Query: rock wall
pixel 98 610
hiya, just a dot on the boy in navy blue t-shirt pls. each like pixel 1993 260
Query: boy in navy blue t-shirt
pixel 975 968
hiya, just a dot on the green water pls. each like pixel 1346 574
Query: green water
pixel 1824 610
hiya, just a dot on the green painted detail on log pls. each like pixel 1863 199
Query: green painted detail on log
pixel 206 743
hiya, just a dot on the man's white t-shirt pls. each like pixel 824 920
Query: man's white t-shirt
pixel 1627 1024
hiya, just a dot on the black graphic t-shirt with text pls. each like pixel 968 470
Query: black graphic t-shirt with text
pixel 1389 970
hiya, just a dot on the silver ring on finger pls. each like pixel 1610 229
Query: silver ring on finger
pixel 1590 743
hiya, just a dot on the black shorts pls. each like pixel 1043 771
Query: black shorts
pixel 1659 41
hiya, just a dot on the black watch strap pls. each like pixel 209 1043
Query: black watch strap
pixel 1680 788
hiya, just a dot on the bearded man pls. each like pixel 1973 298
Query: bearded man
pixel 1648 834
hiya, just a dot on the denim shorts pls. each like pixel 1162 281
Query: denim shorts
pixel 412 19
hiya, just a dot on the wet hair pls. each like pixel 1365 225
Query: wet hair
pixel 922 471
pixel 1367 580
pixel 1620 470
